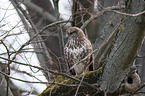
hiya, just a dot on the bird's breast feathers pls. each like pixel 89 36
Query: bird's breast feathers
pixel 76 48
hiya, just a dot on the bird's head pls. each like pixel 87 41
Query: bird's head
pixel 74 31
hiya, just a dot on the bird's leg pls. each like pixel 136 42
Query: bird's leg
pixel 76 74
pixel 83 72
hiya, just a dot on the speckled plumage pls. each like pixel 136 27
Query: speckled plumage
pixel 77 48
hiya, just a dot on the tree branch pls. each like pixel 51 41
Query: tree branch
pixel 101 48
pixel 39 10
pixel 109 9
pixel 53 72
pixel 40 82
pixel 8 67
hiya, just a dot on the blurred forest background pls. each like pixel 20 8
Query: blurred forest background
pixel 31 48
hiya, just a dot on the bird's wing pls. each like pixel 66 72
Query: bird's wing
pixel 90 61
pixel 68 59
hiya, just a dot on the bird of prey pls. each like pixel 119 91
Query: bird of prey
pixel 76 49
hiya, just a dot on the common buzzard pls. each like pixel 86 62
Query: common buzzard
pixel 77 48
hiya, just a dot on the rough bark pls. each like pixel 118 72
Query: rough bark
pixel 63 90
pixel 119 64
pixel 3 87
pixel 140 62
pixel 126 46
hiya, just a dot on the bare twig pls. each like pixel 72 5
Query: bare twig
pixel 142 86
pixel 27 17
pixel 82 78
pixel 105 44
pixel 60 33
pixel 35 30
pixel 8 67
pixel 109 9
pixel 39 10
pixel 24 72
pixel 53 72
pixel 134 15
pixel 40 82
pixel 7 32
pixel 23 51
pixel 52 24
pixel 140 56
pixel 101 48
pixel 136 92
pixel 117 7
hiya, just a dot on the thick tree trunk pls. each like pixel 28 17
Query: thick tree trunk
pixel 140 62
pixel 118 68
pixel 127 44
pixel 3 87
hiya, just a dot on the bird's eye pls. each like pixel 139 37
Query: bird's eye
pixel 72 32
